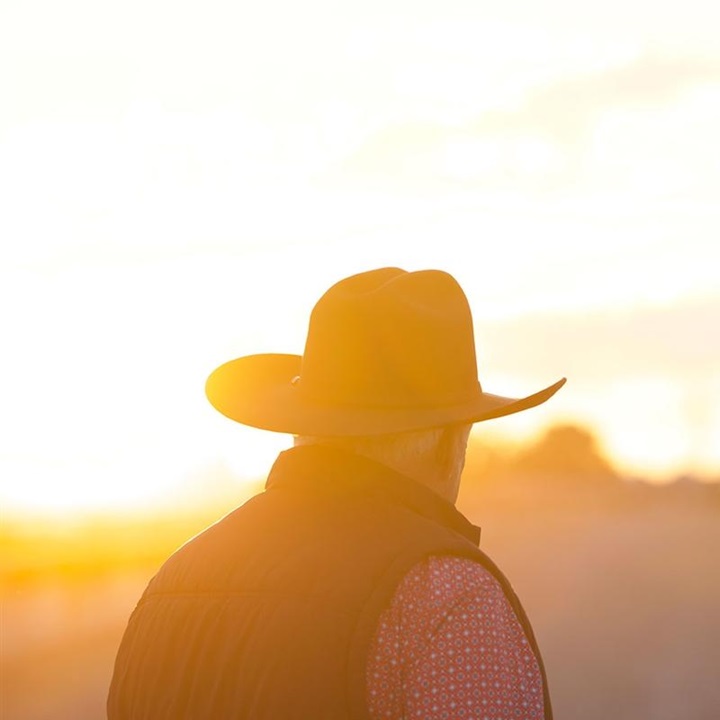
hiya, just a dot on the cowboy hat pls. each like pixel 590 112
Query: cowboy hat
pixel 387 351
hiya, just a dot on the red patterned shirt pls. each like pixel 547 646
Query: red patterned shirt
pixel 450 646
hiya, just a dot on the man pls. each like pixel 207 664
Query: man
pixel 351 587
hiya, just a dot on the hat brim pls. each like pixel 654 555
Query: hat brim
pixel 258 390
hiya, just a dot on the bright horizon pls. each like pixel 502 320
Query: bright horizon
pixel 179 189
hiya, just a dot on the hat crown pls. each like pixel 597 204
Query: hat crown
pixel 387 351
pixel 391 339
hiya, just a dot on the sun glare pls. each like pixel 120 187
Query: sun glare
pixel 166 224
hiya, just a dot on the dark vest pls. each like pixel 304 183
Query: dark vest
pixel 269 613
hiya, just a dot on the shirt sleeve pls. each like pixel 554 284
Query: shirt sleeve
pixel 450 646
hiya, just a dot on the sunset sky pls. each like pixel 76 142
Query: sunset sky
pixel 179 182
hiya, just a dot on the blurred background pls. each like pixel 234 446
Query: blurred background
pixel 179 182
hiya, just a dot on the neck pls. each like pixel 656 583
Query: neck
pixel 434 458
pixel 441 480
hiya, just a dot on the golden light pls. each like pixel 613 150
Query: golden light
pixel 179 182
pixel 162 224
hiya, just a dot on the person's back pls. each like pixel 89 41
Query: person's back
pixel 277 610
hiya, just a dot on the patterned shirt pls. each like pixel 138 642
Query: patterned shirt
pixel 449 646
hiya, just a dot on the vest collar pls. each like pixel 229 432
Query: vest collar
pixel 329 469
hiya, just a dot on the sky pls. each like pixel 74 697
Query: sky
pixel 180 182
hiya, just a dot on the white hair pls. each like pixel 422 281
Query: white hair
pixel 394 449
pixel 418 453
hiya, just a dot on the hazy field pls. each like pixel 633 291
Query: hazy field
pixel 621 581
pixel 624 601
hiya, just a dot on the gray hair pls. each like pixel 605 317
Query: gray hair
pixel 395 450
pixel 404 451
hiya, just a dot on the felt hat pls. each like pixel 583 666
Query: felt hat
pixel 387 351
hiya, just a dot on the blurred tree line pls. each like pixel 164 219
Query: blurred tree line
pixel 567 461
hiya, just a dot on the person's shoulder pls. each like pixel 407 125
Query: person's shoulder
pixel 437 584
pixel 207 559
pixel 450 576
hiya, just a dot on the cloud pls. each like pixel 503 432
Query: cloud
pixel 564 111
pixel 540 140
pixel 680 341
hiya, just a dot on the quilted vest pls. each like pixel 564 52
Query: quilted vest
pixel 269 613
